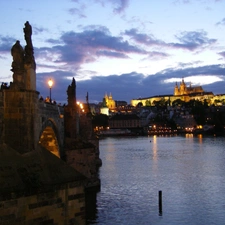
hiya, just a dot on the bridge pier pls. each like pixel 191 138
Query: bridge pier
pixel 20 119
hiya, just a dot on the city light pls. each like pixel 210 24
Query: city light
pixel 50 83
pixel 81 107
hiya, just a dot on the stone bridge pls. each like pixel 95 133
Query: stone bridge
pixel 27 122
pixel 49 157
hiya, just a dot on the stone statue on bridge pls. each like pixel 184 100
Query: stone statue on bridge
pixel 71 93
pixel 29 51
pixel 23 65
pixel 17 53
pixel 27 33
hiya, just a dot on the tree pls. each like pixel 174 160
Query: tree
pixel 139 105
pixel 147 103
pixel 178 102
pixel 198 110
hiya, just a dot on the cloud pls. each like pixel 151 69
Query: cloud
pixel 122 87
pixel 142 38
pixel 134 85
pixel 187 40
pixel 186 65
pixel 6 44
pixel 189 1
pixel 37 30
pixel 119 5
pixel 222 22
pixel 76 12
pixel 74 49
pixel 193 40
pixel 154 55
pixel 61 81
pixel 222 54
pixel 112 54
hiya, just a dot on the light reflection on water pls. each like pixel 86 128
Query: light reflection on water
pixel 189 170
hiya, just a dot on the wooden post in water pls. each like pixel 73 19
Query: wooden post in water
pixel 160 203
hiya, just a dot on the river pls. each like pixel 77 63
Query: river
pixel 190 172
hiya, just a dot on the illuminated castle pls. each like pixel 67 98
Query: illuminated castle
pixel 110 103
pixel 184 90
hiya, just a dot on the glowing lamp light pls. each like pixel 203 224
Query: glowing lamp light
pixel 50 83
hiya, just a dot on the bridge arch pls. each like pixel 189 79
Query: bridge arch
pixel 49 138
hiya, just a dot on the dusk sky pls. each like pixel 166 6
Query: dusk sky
pixel 129 48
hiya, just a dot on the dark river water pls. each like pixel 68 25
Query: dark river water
pixel 190 172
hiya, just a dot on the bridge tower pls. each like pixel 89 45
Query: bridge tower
pixel 21 98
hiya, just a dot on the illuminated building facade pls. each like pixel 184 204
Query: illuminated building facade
pixel 184 90
pixel 183 93
pixel 110 103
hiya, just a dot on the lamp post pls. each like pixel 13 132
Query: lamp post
pixel 50 83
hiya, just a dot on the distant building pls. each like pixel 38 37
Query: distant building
pixel 123 121
pixel 183 93
pixel 121 104
pixel 110 103
pixel 104 110
pixel 184 90
pixel 111 107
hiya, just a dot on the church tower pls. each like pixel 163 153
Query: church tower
pixel 176 90
pixel 111 104
pixel 183 88
pixel 106 98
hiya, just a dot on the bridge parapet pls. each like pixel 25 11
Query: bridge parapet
pixel 51 109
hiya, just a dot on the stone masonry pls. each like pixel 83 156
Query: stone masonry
pixel 48 156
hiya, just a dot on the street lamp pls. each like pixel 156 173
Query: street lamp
pixel 50 83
